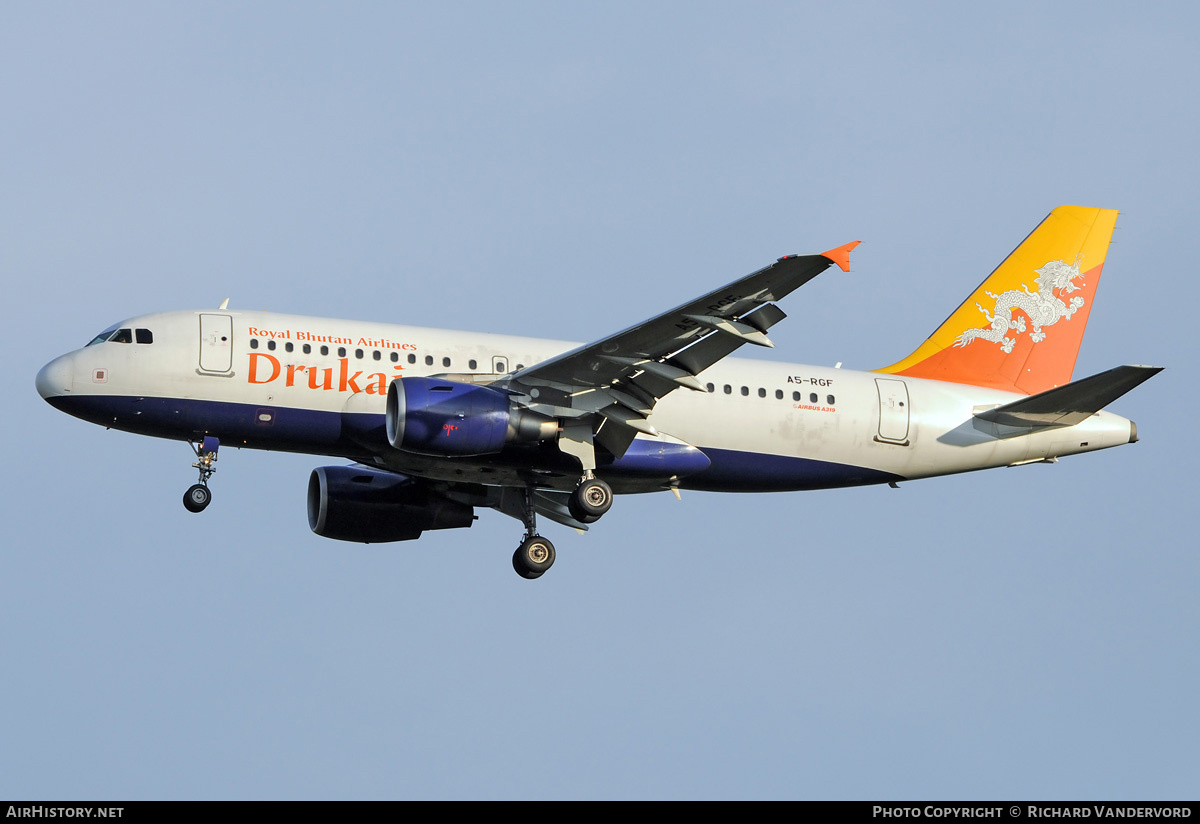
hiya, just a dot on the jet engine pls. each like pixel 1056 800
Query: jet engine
pixel 448 418
pixel 354 503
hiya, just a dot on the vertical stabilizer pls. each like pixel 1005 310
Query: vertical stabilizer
pixel 1020 331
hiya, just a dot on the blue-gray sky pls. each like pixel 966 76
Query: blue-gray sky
pixel 566 169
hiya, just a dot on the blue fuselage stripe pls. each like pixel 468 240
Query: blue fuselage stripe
pixel 359 437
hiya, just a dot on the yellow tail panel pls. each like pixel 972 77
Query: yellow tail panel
pixel 1020 331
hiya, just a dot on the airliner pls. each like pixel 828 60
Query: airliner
pixel 438 423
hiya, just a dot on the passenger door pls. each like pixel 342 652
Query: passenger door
pixel 893 411
pixel 216 343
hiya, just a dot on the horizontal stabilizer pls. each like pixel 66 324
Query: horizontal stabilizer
pixel 1068 405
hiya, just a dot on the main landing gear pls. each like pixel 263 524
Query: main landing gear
pixel 535 555
pixel 591 499
pixel 198 495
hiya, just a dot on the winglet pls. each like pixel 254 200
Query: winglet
pixel 841 255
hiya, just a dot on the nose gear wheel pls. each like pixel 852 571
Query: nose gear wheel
pixel 198 495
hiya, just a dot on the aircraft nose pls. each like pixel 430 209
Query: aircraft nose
pixel 55 378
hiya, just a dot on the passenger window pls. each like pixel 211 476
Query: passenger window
pixel 472 364
pixel 324 350
pixel 762 393
pixel 287 347
pixel 728 389
pixel 412 358
pixel 710 387
pixel 778 394
pixel 253 343
pixel 829 399
pixel 520 366
pixel 376 355
pixel 795 396
pixel 358 353
pixel 122 336
pixel 812 398
pixel 144 336
pixel 341 351
pixel 395 356
pixel 745 390
pixel 429 360
pixel 445 361
pixel 271 345
pixel 307 349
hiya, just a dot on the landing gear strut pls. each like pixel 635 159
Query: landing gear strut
pixel 535 555
pixel 592 497
pixel 198 495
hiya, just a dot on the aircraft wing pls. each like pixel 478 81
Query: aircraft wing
pixel 622 376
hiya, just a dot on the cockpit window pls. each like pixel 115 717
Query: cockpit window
pixel 116 335
pixel 103 336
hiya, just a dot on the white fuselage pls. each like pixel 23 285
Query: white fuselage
pixel 289 382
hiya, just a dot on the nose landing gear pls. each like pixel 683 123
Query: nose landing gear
pixel 196 498
pixel 198 495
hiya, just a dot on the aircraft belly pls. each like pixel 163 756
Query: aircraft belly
pixel 734 471
pixel 513 468
pixel 257 426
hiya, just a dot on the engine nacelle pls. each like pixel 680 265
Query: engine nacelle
pixel 445 418
pixel 354 503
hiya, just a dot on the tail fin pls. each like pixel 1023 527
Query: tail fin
pixel 1020 331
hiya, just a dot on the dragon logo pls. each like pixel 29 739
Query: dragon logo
pixel 1043 307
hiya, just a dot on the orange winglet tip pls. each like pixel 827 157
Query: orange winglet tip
pixel 841 255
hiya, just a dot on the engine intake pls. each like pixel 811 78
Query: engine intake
pixel 354 503
pixel 444 418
